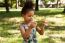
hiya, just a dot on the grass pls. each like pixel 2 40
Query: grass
pixel 9 26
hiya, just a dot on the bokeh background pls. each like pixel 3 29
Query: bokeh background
pixel 51 10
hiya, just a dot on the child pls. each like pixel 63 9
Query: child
pixel 29 27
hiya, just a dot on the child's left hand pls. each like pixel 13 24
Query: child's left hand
pixel 45 22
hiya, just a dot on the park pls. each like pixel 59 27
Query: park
pixel 10 19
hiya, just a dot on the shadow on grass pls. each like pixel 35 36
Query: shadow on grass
pixel 4 30
pixel 48 12
pixel 10 26
pixel 57 28
pixel 48 40
pixel 5 34
pixel 5 26
pixel 62 39
pixel 3 14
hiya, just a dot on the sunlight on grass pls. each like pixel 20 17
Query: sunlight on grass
pixel 16 19
pixel 9 26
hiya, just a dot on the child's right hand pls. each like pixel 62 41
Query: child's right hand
pixel 32 24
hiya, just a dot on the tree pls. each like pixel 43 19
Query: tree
pixel 17 4
pixel 28 0
pixel 22 2
pixel 7 5
pixel 36 7
pixel 64 10
pixel 46 1
pixel 11 3
pixel 58 3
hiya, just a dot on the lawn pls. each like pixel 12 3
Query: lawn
pixel 54 32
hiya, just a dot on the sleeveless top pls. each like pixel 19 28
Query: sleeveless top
pixel 32 38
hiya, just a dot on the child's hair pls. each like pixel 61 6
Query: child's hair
pixel 28 6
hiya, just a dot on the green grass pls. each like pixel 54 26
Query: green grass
pixel 9 26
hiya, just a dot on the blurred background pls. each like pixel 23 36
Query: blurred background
pixel 51 10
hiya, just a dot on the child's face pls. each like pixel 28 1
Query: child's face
pixel 28 16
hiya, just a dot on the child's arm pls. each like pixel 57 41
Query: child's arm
pixel 40 30
pixel 26 33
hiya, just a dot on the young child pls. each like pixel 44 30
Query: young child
pixel 29 27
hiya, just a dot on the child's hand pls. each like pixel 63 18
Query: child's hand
pixel 32 24
pixel 45 22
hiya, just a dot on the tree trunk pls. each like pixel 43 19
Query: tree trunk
pixel 28 0
pixel 36 7
pixel 11 3
pixel 64 10
pixel 7 5
pixel 44 2
pixel 57 3
pixel 16 4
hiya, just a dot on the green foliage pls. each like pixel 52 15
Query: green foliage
pixel 22 2
pixel 46 1
pixel 52 0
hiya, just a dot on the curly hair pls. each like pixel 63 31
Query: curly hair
pixel 28 6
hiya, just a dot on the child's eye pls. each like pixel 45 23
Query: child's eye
pixel 29 16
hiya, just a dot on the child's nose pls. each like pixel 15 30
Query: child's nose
pixel 32 18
